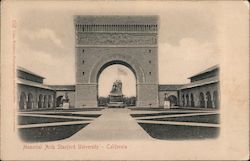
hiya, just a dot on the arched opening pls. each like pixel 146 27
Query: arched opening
pixel 111 74
pixel 216 99
pixel 45 101
pixel 183 100
pixel 30 101
pixel 209 100
pixel 40 101
pixel 22 101
pixel 187 98
pixel 202 100
pixel 173 100
pixel 192 100
pixel 50 103
pixel 59 101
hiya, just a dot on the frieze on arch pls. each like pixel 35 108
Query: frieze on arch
pixel 116 39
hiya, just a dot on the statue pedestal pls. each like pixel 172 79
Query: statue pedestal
pixel 167 104
pixel 65 105
pixel 116 100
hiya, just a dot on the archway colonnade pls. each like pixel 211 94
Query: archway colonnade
pixel 202 99
pixel 28 101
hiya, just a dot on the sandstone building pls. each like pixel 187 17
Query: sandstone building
pixel 203 90
pixel 102 41
pixel 32 93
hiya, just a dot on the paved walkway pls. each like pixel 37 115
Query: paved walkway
pixel 113 124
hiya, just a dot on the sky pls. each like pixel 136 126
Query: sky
pixel 186 45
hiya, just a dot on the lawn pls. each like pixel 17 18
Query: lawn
pixel 49 133
pixel 25 120
pixel 179 132
pixel 214 119
pixel 158 114
pixel 70 114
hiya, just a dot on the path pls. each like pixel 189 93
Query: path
pixel 113 124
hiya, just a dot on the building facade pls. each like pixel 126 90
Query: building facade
pixel 102 41
pixel 202 91
pixel 32 93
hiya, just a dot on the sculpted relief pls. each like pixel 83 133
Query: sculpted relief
pixel 116 39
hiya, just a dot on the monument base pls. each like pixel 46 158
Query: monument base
pixel 116 105
pixel 167 105
pixel 116 101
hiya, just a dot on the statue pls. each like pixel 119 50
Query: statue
pixel 117 87
pixel 116 96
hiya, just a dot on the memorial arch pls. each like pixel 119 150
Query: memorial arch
pixel 102 41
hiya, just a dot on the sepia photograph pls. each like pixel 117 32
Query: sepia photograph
pixel 124 80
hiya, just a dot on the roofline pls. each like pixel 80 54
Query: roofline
pixel 200 84
pixel 205 71
pixel 29 72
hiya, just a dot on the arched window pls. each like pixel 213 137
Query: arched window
pixel 209 100
pixel 202 100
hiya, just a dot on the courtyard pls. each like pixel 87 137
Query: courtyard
pixel 118 124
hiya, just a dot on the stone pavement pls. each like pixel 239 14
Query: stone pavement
pixel 113 124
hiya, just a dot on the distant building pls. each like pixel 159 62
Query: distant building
pixel 32 93
pixel 203 90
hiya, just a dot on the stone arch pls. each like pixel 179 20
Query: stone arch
pixel 45 101
pixel 40 101
pixel 22 101
pixel 183 100
pixel 59 101
pixel 192 100
pixel 173 100
pixel 216 99
pixel 30 101
pixel 50 101
pixel 125 60
pixel 202 100
pixel 187 99
pixel 209 100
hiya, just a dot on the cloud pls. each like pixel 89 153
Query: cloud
pixel 178 62
pixel 42 39
pixel 121 71
pixel 58 70
pixel 45 34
